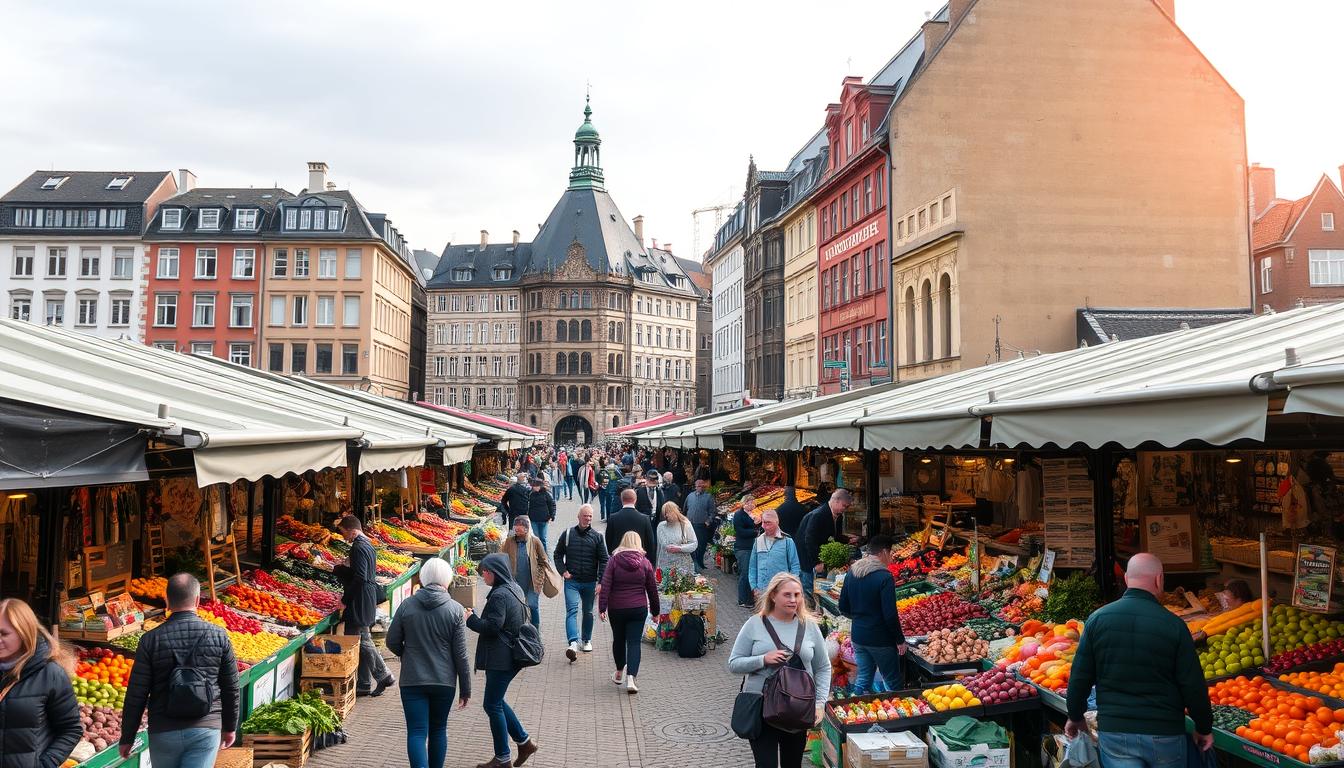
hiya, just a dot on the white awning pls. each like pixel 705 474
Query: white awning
pixel 1314 389
pixel 387 459
pixel 252 462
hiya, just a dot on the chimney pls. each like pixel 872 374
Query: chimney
pixel 1262 188
pixel 1341 177
pixel 933 34
pixel 655 242
pixel 317 176
pixel 639 229
pixel 485 238
pixel 515 238
pixel 331 186
pixel 186 180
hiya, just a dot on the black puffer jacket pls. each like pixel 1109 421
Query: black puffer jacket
pixel 39 717
pixel 499 621
pixel 540 507
pixel 208 648
pixel 583 553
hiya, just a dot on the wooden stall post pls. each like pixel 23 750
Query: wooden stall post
pixel 1103 517
pixel 270 507
pixel 870 463
pixel 51 570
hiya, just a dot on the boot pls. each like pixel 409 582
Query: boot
pixel 525 750
pixel 495 762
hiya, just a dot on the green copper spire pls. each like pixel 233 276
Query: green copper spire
pixel 587 171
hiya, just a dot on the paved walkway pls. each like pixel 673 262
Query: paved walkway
pixel 678 719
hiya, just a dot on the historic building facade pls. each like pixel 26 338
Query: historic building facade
pixel 1298 244
pixel 725 265
pixel 798 220
pixel 704 331
pixel 763 284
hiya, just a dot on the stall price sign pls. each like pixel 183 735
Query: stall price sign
pixel 975 563
pixel 1047 566
pixel 1313 576
pixel 263 690
pixel 284 678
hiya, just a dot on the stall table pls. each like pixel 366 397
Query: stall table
pixel 274 679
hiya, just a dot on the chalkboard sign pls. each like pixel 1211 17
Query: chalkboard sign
pixel 107 563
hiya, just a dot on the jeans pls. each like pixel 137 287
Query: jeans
pixel 701 544
pixel 808 577
pixel 426 708
pixel 743 575
pixel 504 724
pixel 539 530
pixel 574 590
pixel 569 487
pixel 627 628
pixel 371 667
pixel 1134 750
pixel 778 749
pixel 186 748
pixel 534 606
pixel 871 658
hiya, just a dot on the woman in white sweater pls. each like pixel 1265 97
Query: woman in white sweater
pixel 757 656
pixel 676 540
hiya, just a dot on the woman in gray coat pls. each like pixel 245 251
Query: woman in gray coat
pixel 501 619
pixel 430 636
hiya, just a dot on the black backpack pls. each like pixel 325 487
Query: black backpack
pixel 191 690
pixel 526 645
pixel 691 641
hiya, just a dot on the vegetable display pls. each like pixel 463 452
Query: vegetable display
pixel 949 646
pixel 294 716
pixel 835 555
pixel 1072 597
pixel 938 611
pixel 998 686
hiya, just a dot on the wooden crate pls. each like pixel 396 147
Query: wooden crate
pixel 339 665
pixel 268 748
pixel 336 691
pixel 234 757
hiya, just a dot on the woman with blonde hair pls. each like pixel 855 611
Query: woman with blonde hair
pixel 39 716
pixel 630 592
pixel 756 654
pixel 676 540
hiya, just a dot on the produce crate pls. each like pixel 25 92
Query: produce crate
pixel 337 691
pixel 268 748
pixel 898 724
pixel 943 670
pixel 337 665
pixel 234 757
pixel 464 593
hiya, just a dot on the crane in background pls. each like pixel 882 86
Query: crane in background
pixel 696 215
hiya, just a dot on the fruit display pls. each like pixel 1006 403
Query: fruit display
pixel 255 648
pixel 1233 651
pixel 951 696
pixel 466 506
pixel 991 628
pixel 101 676
pixel 1227 620
pixel 880 709
pixel 1291 627
pixel 1021 608
pixel 490 490
pixel 129 641
pixel 911 568
pixel 906 602
pixel 229 618
pixel 320 600
pixel 949 646
pixel 297 530
pixel 770 497
pixel 998 686
pixel 939 611
pixel 1044 653
pixel 1287 722
pixel 1328 683
pixel 266 604
pixel 152 588
pixel 393 536
pixel 1282 662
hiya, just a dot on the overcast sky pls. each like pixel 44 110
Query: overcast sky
pixel 457 117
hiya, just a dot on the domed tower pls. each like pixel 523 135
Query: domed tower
pixel 587 171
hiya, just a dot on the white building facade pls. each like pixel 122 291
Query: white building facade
pixel 725 264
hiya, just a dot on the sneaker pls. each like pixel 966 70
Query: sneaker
pixel 525 750
pixel 587 647
pixel 572 652
pixel 630 686
pixel 618 676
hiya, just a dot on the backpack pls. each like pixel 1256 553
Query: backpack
pixel 789 695
pixel 191 690
pixel 691 641
pixel 526 644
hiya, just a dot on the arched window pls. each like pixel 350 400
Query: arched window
pixel 573 299
pixel 564 300
pixel 573 394
pixel 532 419
pixel 560 393
pixel 910 324
pixel 587 300
pixel 573 330
pixel 560 367
pixel 620 364
pixel 615 421
pixel 611 363
pixel 620 331
pixel 573 363
pixel 585 396
pixel 586 363
pixel 620 396
pixel 560 331
pixel 611 330
pixel 586 331
pixel 945 314
pixel 926 296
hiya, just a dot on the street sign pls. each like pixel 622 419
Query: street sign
pixel 841 364
pixel 844 381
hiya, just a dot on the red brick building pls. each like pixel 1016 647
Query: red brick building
pixel 852 244
pixel 1297 246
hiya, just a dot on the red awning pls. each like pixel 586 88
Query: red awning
pixel 481 418
pixel 655 421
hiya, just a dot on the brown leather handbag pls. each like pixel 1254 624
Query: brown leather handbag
pixel 789 695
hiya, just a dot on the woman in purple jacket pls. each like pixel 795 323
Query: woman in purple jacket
pixel 630 591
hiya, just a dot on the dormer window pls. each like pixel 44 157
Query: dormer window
pixel 461 274
pixel 54 182
pixel 209 218
pixel 320 218
pixel 503 273
pixel 291 219
pixel 334 219
pixel 172 218
pixel 245 218
pixel 118 182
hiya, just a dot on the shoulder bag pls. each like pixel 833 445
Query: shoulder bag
pixel 747 713
pixel 789 702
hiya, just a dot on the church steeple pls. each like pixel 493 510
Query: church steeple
pixel 587 171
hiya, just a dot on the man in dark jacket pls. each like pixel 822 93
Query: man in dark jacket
pixel 868 598
pixel 360 604
pixel 818 527
pixel 540 510
pixel 745 530
pixel 516 500
pixel 701 511
pixel 580 557
pixel 631 519
pixel 791 512
pixel 1142 661
pixel 646 495
pixel 500 621
pixel 39 716
pixel 178 737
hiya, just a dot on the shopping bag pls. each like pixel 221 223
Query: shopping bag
pixel 1081 752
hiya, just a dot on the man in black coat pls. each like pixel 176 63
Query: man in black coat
pixel 791 512
pixel 540 510
pixel 631 519
pixel 820 526
pixel 516 501
pixel 360 604
pixel 646 495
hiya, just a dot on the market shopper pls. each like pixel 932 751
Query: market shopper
pixel 360 604
pixel 773 552
pixel 429 633
pixel 1142 661
pixel 669 491
pixel 629 593
pixel 555 477
pixel 581 558
pixel 646 496
pixel 821 525
pixel 527 563
pixel 498 625
pixel 39 716
pixel 758 656
pixel 700 510
pixel 676 540
pixel 630 519
pixel 540 510
pixel 791 512
pixel 745 531
pixel 609 478
pixel 184 731
pixel 868 599
pixel 583 478
pixel 516 499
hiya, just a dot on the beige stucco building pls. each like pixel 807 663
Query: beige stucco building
pixel 1049 156
pixel 799 222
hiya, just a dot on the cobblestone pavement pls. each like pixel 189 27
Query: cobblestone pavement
pixel 577 716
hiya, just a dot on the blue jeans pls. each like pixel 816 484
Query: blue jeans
pixel 808 577
pixel 187 748
pixel 504 724
pixel 743 575
pixel 570 482
pixel 534 606
pixel 574 590
pixel 871 658
pixel 426 708
pixel 539 530
pixel 1135 750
